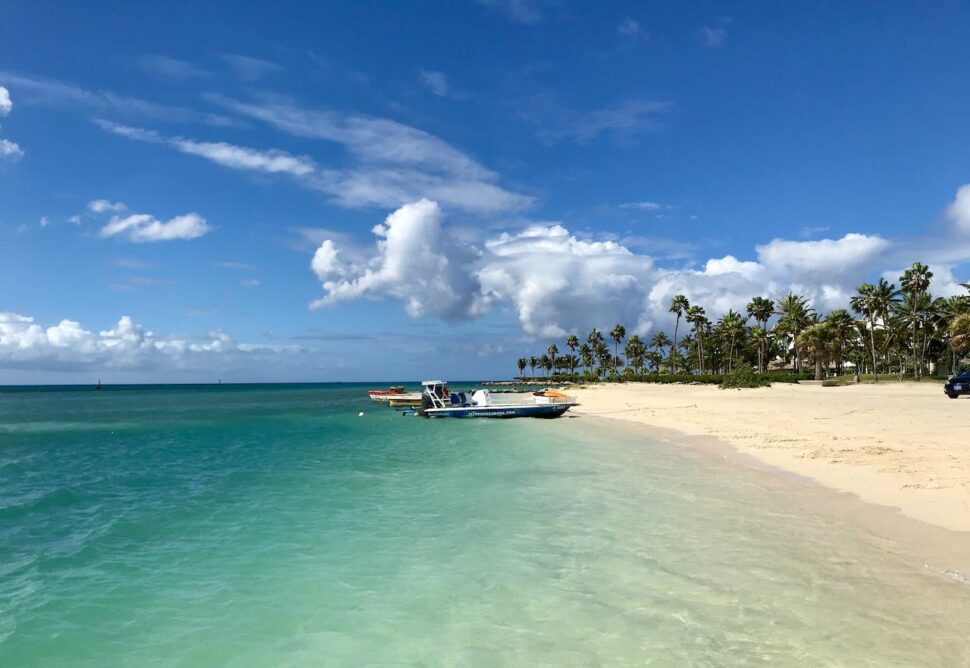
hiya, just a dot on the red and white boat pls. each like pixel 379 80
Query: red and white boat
pixel 384 395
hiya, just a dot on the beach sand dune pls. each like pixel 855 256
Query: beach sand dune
pixel 903 445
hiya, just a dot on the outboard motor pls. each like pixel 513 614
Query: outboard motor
pixel 425 404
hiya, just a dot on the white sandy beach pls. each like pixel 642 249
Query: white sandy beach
pixel 898 445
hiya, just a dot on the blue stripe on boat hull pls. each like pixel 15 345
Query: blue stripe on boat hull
pixel 538 411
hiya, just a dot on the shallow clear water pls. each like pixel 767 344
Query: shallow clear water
pixel 272 526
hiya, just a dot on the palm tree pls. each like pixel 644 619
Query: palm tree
pixel 914 282
pixel 761 339
pixel 730 327
pixel 522 364
pixel 886 295
pixel 817 342
pixel 654 358
pixel 603 356
pixel 573 363
pixel 866 303
pixel 895 339
pixel 914 311
pixel 761 309
pixel 634 351
pixel 843 329
pixel 678 305
pixel 959 332
pixel 949 310
pixel 553 351
pixel 586 354
pixel 658 342
pixel 796 315
pixel 572 342
pixel 545 363
pixel 618 333
pixel 533 363
pixel 697 320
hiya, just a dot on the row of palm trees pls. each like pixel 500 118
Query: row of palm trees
pixel 884 330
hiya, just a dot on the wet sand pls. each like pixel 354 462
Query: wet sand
pixel 898 445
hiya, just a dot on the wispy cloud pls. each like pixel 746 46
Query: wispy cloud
pixel 808 232
pixel 144 228
pixel 271 161
pixel 631 29
pixel 248 68
pixel 150 282
pixel 369 139
pixel 53 93
pixel 517 11
pixel 714 36
pixel 436 82
pixel 103 205
pixel 391 163
pixel 554 122
pixel 171 68
pixel 646 206
pixel 234 265
pixel 130 263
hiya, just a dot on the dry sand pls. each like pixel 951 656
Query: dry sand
pixel 901 445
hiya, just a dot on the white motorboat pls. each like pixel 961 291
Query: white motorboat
pixel 437 401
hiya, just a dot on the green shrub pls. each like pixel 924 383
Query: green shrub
pixel 744 377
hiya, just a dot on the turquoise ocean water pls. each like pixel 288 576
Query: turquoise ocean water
pixel 271 526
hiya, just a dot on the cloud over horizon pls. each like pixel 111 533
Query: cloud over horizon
pixel 127 346
pixel 557 283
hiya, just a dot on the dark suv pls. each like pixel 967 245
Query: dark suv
pixel 959 384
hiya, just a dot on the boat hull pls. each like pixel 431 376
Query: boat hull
pixel 405 401
pixel 502 412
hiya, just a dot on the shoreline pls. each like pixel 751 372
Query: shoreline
pixel 912 494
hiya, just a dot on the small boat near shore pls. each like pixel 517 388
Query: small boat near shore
pixel 406 400
pixel 385 395
pixel 437 402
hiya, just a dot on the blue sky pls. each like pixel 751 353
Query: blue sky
pixel 395 190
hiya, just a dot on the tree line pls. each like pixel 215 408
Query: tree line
pixel 884 330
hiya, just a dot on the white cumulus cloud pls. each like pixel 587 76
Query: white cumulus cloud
pixel 10 150
pixel 68 346
pixel 558 282
pixel 958 212
pixel 416 262
pixel 5 104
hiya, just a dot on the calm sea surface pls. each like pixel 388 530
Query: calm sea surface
pixel 269 525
